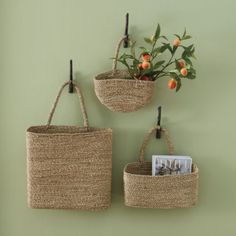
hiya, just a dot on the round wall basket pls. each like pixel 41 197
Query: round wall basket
pixel 120 94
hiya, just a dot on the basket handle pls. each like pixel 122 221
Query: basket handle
pixel 114 65
pixel 147 137
pixel 82 106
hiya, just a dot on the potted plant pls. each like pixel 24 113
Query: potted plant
pixel 130 89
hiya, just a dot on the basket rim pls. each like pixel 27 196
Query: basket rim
pixel 161 208
pixel 195 172
pixel 92 209
pixel 126 80
pixel 30 130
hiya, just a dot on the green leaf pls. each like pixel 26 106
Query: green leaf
pixel 188 51
pixel 173 50
pixel 145 52
pixel 187 66
pixel 177 36
pixel 148 40
pixel 127 56
pixel 188 61
pixel 158 31
pixel 179 84
pixel 132 49
pixel 187 37
pixel 158 64
pixel 143 48
pixel 184 34
pixel 192 70
pixel 155 72
pixel 189 48
pixel 157 51
pixel 135 67
pixel 173 75
pixel 174 71
pixel 164 37
pixel 193 56
pixel 123 62
pixel 184 55
pixel 191 76
pixel 166 46
pixel 126 65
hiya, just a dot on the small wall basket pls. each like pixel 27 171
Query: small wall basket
pixel 69 167
pixel 119 94
pixel 143 190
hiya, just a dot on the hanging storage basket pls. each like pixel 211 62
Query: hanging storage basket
pixel 69 167
pixel 143 190
pixel 120 94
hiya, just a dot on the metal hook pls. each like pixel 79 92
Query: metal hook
pixel 126 40
pixel 158 132
pixel 71 87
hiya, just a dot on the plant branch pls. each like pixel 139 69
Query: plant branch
pixel 153 46
pixel 167 64
pixel 165 74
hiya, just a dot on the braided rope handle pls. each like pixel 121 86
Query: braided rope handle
pixel 170 146
pixel 114 65
pixel 82 106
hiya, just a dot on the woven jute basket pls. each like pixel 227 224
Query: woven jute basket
pixel 143 190
pixel 120 94
pixel 69 167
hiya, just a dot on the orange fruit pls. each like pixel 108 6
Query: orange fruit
pixel 146 65
pixel 172 84
pixel 140 66
pixel 181 63
pixel 146 57
pixel 176 42
pixel 184 71
pixel 145 78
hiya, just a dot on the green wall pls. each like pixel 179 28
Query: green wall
pixel 37 40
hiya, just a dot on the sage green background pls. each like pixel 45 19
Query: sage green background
pixel 37 40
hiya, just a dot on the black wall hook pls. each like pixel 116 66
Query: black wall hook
pixel 158 132
pixel 126 40
pixel 71 87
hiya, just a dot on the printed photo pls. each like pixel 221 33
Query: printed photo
pixel 171 165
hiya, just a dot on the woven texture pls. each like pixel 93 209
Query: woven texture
pixel 143 190
pixel 69 167
pixel 119 94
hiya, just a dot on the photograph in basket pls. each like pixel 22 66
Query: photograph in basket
pixel 171 165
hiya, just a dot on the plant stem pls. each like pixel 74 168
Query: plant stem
pixel 165 74
pixel 176 60
pixel 153 46
pixel 167 64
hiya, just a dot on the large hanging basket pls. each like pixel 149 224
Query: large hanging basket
pixel 69 167
pixel 120 94
pixel 143 190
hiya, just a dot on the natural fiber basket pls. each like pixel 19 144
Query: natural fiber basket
pixel 143 190
pixel 120 94
pixel 69 167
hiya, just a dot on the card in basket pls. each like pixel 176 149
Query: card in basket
pixel 171 165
